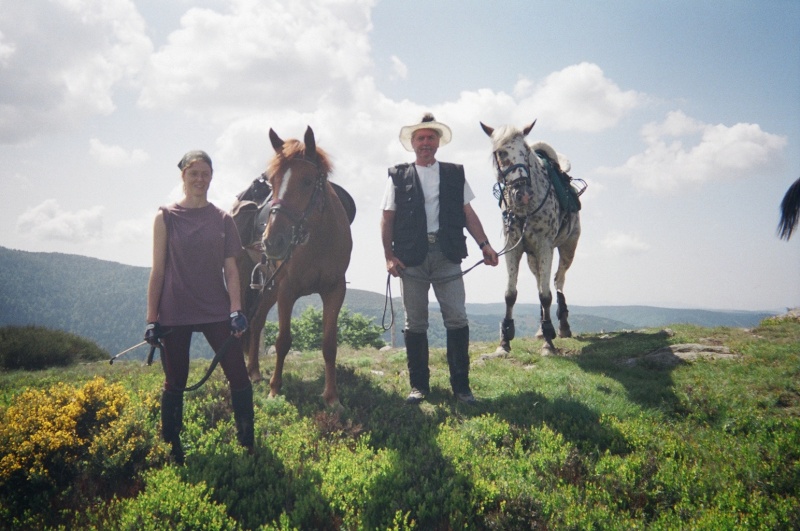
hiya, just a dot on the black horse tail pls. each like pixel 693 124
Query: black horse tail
pixel 790 211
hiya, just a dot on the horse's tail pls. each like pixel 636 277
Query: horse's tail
pixel 790 211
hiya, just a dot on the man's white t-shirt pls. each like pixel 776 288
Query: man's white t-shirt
pixel 429 180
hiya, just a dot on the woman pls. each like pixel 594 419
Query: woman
pixel 195 245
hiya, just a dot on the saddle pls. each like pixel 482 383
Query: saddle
pixel 250 211
pixel 568 190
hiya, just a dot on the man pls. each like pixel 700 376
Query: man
pixel 425 210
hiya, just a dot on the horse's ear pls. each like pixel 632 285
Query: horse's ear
pixel 311 144
pixel 528 129
pixel 486 129
pixel 277 143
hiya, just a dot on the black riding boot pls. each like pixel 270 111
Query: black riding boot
pixel 417 354
pixel 243 415
pixel 458 361
pixel 172 423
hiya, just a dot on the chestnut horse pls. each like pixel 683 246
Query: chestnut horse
pixel 306 245
pixel 535 223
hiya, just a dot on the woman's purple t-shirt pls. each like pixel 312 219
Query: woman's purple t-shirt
pixel 198 242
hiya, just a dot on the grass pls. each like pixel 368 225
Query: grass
pixel 586 439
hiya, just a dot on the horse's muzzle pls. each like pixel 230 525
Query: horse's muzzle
pixel 521 195
pixel 276 246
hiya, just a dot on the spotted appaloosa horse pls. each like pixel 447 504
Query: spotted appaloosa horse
pixel 307 245
pixel 534 224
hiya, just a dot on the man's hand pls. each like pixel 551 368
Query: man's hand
pixel 395 266
pixel 489 255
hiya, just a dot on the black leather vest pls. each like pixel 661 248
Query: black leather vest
pixel 409 237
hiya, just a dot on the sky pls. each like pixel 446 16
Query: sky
pixel 683 117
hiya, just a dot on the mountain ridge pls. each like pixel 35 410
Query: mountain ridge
pixel 105 301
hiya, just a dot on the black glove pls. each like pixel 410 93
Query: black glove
pixel 238 322
pixel 153 333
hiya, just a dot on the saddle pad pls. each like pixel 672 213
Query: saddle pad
pixel 566 194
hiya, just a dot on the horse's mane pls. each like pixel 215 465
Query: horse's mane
pixel 294 149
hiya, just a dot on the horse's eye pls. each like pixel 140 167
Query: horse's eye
pixel 502 153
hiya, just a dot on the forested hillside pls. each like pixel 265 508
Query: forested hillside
pixel 100 300
pixel 105 301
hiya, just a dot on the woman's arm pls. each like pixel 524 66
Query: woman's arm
pixel 231 271
pixel 156 282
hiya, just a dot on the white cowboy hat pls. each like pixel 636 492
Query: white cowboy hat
pixel 427 122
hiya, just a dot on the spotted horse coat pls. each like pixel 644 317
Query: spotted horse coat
pixel 534 225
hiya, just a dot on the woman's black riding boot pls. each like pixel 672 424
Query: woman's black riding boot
pixel 458 359
pixel 417 354
pixel 243 415
pixel 172 423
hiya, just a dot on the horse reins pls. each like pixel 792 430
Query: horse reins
pixel 299 235
pixel 509 218
pixel 299 232
pixel 388 301
pixel 499 188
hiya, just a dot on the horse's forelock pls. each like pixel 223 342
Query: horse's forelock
pixel 505 134
pixel 292 149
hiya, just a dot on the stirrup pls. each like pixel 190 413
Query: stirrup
pixel 258 276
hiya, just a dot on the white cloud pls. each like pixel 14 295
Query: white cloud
pixel 622 243
pixel 48 221
pixel 676 124
pixel 6 50
pixel 399 68
pixel 681 150
pixel 131 230
pixel 266 55
pixel 577 98
pixel 115 156
pixel 65 59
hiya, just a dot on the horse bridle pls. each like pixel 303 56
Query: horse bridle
pixel 299 231
pixel 501 185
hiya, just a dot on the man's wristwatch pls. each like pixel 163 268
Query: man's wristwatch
pixel 483 244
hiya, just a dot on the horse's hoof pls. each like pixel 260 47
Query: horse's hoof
pixel 549 349
pixel 501 351
pixel 564 332
pixel 256 378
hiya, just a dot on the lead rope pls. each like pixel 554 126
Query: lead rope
pixel 218 355
pixel 389 302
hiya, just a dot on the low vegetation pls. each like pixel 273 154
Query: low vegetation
pixel 35 347
pixel 597 437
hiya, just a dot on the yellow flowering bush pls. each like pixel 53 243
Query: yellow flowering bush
pixel 66 441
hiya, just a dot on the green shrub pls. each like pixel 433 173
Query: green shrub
pixel 34 348
pixel 168 502
pixel 353 329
